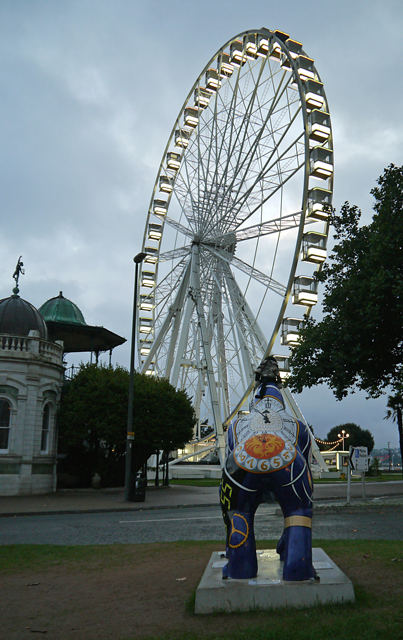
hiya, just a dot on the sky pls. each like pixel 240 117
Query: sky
pixel 89 93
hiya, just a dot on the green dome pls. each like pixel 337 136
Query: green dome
pixel 59 309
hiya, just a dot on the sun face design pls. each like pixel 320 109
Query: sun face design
pixel 264 446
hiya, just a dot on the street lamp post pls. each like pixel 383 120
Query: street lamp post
pixel 130 470
pixel 343 435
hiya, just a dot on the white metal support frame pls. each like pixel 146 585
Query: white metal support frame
pixel 196 294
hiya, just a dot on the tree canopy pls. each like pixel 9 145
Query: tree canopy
pixel 359 341
pixel 93 420
pixel 357 437
pixel 163 416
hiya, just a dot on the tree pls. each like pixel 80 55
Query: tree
pixel 395 411
pixel 357 437
pixel 359 342
pixel 164 418
pixel 93 421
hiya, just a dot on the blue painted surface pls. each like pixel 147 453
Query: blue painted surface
pixel 268 454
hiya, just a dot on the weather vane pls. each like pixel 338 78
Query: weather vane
pixel 16 275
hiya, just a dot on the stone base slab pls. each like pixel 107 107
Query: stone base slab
pixel 268 590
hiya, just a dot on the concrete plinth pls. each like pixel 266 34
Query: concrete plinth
pixel 268 590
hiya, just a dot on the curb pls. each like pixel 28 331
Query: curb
pixel 110 510
pixel 369 507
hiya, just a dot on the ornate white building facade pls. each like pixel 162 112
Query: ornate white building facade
pixel 31 376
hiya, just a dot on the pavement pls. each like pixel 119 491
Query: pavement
pixel 178 496
pixel 103 500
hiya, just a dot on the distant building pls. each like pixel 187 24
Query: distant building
pixel 31 378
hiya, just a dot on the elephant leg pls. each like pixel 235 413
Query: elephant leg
pixel 280 549
pixel 242 561
pixel 226 497
pixel 298 548
pixel 294 492
pixel 239 497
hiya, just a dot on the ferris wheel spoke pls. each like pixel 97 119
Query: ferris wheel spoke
pixel 269 180
pixel 272 177
pixel 228 357
pixel 174 376
pixel 229 125
pixel 214 132
pixel 240 137
pixel 240 305
pixel 266 167
pixel 243 158
pixel 196 295
pixel 245 131
pixel 185 223
pixel 291 221
pixel 180 252
pixel 220 348
pixel 243 355
pixel 189 176
pixel 165 326
pixel 241 311
pixel 271 184
pixel 213 128
pixel 257 275
pixel 165 290
pixel 201 177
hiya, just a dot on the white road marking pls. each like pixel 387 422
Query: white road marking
pixel 181 519
pixel 171 519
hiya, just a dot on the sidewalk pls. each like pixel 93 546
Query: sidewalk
pixel 91 500
pixel 174 496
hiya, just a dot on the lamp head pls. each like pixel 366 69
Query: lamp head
pixel 139 258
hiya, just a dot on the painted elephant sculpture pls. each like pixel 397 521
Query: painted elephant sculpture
pixel 268 452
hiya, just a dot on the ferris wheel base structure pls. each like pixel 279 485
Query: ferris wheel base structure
pixel 237 226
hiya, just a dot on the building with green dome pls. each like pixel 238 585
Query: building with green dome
pixel 31 377
pixel 32 345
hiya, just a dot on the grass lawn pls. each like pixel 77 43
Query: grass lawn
pixel 375 567
pixel 193 482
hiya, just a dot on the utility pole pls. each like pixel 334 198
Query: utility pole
pixel 130 470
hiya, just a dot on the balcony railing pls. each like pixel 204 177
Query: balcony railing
pixel 18 346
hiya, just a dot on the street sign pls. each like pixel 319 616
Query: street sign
pixel 359 459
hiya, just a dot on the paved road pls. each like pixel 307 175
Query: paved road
pixel 190 524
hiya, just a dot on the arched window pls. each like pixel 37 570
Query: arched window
pixel 45 428
pixel 5 417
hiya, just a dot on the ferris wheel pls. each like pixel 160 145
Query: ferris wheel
pixel 237 224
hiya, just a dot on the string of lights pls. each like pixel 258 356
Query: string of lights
pixel 333 447
pixel 336 442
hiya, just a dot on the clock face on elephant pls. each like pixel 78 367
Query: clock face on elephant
pixel 264 453
pixel 265 421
